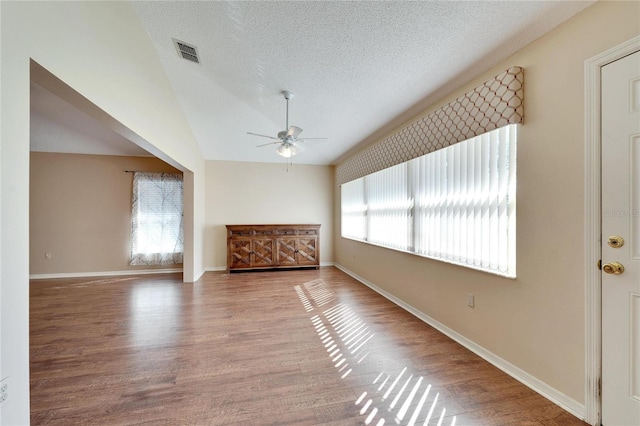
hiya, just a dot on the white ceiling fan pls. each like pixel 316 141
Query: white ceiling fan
pixel 289 144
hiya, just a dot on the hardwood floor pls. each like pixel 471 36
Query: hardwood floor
pixel 285 347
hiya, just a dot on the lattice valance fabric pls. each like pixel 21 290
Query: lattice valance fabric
pixel 496 103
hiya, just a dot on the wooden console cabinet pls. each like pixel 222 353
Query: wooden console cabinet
pixel 272 246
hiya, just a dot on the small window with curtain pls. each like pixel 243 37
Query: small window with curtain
pixel 456 204
pixel 156 220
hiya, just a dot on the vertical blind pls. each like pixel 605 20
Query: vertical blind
pixel 354 209
pixel 456 204
pixel 388 207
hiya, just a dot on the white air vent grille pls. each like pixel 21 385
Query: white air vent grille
pixel 187 51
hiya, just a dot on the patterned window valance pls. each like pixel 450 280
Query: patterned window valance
pixel 494 104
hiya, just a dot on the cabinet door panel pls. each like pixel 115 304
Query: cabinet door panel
pixel 286 251
pixel 307 251
pixel 240 251
pixel 262 252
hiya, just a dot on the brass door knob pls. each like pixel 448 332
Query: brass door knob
pixel 615 241
pixel 615 268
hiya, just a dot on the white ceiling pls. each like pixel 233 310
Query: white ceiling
pixel 357 69
pixel 58 126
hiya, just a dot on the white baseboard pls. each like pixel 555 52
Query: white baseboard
pixel 215 268
pixel 552 394
pixel 103 274
pixel 200 275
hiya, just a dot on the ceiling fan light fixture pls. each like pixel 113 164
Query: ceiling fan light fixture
pixel 287 150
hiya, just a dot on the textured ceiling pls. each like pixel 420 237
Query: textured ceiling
pixel 357 69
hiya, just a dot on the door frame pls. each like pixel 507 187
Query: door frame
pixel 593 225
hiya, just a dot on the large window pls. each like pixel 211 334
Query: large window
pixel 456 204
pixel 156 228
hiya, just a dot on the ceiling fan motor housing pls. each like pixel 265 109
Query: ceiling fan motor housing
pixel 287 94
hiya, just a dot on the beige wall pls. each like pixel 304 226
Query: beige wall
pixel 256 193
pixel 80 212
pixel 536 321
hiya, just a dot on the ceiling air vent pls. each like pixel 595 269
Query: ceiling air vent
pixel 186 51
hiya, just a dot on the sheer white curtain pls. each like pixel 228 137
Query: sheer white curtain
pixel 156 226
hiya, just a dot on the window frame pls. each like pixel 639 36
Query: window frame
pixel 506 207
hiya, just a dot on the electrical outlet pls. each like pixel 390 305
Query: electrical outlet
pixel 4 390
pixel 470 300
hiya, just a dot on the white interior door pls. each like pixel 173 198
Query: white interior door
pixel 621 242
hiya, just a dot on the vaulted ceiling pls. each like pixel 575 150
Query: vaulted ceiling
pixel 357 69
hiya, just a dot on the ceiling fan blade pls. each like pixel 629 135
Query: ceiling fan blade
pixel 270 143
pixel 302 142
pixel 299 147
pixel 262 136
pixel 293 132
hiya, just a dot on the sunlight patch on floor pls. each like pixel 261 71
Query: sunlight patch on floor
pixel 319 292
pixel 303 298
pixel 405 398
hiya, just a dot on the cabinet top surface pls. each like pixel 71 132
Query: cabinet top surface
pixel 294 225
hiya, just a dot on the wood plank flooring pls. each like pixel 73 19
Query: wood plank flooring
pixel 268 348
